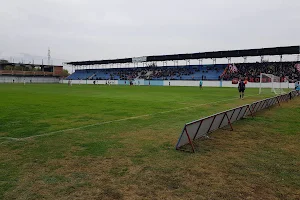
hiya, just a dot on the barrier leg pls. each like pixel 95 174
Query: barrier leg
pixel 278 101
pixel 221 121
pixel 190 141
pixel 260 107
pixel 247 108
pixel 198 130
pixel 238 114
pixel 253 108
pixel 229 121
pixel 211 124
pixel 231 114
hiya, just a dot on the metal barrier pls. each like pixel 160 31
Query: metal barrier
pixel 294 93
pixel 202 127
pixel 262 104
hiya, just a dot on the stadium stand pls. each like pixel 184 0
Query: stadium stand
pixel 191 72
pixel 20 69
pixel 253 70
pixel 31 73
pixel 249 71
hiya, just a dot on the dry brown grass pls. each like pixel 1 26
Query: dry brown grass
pixel 255 161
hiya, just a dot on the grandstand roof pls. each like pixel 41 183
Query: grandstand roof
pixel 204 55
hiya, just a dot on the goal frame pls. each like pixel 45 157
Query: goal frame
pixel 271 76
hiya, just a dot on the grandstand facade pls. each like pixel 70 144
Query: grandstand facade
pixel 19 73
pixel 147 68
pixel 248 71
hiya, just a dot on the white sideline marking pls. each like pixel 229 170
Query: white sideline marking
pixel 112 121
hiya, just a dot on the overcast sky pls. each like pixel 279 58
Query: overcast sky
pixel 97 29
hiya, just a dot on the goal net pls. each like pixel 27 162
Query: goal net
pixel 271 83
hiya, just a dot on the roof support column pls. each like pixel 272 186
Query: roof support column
pixel 229 60
pixel 214 61
pixel 187 62
pixel 200 61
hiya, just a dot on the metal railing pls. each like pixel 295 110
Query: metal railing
pixel 202 127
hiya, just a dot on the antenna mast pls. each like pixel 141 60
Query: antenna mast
pixel 49 56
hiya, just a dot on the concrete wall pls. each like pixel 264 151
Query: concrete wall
pixel 20 79
pixel 183 83
pixel 123 82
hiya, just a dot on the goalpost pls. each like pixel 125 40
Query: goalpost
pixel 270 81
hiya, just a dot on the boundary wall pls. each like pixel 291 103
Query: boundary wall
pixel 206 83
pixel 27 79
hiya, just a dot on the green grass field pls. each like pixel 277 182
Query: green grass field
pixel 117 142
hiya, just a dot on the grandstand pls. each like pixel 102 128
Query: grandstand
pixel 19 72
pixel 191 72
pixel 249 71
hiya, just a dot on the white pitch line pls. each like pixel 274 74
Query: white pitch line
pixel 112 121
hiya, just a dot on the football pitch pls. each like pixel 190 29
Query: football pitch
pixel 118 142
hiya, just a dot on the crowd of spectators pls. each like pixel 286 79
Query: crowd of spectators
pixel 153 73
pixel 251 71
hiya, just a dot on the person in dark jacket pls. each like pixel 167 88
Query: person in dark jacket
pixel 241 88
